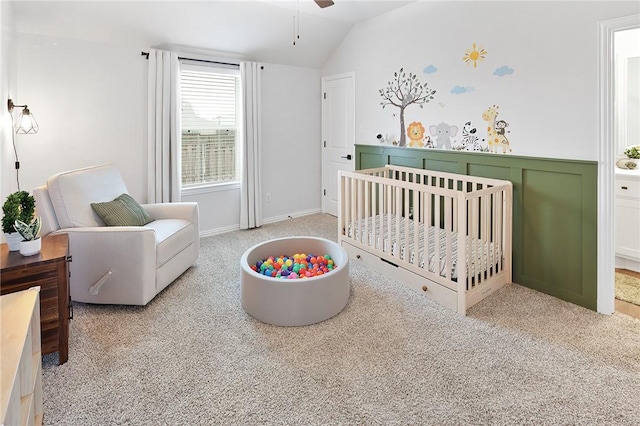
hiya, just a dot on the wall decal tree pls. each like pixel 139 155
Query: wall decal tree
pixel 403 91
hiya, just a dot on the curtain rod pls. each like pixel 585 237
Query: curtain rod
pixel 209 62
pixel 146 54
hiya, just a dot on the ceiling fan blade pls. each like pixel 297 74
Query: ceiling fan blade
pixel 324 3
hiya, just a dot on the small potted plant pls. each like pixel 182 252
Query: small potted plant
pixel 633 156
pixel 633 152
pixel 32 243
pixel 18 206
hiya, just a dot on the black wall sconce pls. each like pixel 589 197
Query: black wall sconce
pixel 26 123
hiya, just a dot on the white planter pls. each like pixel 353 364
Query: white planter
pixel 29 248
pixel 13 240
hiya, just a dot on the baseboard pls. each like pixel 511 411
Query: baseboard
pixel 290 216
pixel 274 219
pixel 218 231
pixel 624 263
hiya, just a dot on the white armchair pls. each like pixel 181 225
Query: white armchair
pixel 124 265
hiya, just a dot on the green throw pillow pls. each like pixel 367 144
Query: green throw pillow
pixel 123 211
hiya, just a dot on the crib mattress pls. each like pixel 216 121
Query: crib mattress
pixel 402 246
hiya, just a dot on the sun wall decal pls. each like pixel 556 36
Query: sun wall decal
pixel 473 55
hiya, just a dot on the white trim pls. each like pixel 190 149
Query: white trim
pixel 291 216
pixel 218 231
pixel 236 227
pixel 214 187
pixel 606 251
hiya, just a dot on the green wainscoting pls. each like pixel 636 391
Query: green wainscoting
pixel 554 212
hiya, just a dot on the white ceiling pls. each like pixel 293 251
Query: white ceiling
pixel 347 11
pixel 260 30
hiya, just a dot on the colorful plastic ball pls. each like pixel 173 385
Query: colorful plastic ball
pixel 296 266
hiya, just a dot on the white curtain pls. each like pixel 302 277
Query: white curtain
pixel 164 127
pixel 251 188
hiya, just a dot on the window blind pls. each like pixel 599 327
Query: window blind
pixel 209 119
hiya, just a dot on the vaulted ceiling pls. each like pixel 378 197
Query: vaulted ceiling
pixel 261 30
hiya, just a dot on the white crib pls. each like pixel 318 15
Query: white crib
pixel 444 234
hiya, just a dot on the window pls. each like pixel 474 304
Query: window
pixel 210 118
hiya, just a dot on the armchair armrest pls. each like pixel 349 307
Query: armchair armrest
pixel 125 255
pixel 185 210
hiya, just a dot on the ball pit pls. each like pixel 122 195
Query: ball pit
pixel 294 301
pixel 296 266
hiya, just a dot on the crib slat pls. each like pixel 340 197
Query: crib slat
pixel 499 229
pixel 473 237
pixel 361 207
pixel 489 262
pixel 390 207
pixel 478 251
pixel 480 241
pixel 373 215
pixel 436 227
pixel 381 212
pixel 416 228
pixel 460 217
pixel 405 240
pixel 426 220
pixel 345 207
pixel 352 191
pixel 448 228
pixel 366 212
pixel 397 213
pixel 491 248
pixel 466 234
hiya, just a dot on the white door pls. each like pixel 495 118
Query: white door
pixel 338 135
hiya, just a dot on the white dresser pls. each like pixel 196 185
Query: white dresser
pixel 20 359
pixel 627 219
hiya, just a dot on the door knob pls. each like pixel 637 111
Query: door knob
pixel 348 157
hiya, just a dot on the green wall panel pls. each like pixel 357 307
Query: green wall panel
pixel 368 161
pixel 554 212
pixel 557 197
pixel 405 161
pixel 488 171
pixel 442 165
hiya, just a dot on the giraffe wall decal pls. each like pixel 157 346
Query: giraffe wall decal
pixel 496 134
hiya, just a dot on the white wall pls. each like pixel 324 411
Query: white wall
pixel 550 100
pixel 291 152
pixel 7 90
pixel 291 116
pixel 90 101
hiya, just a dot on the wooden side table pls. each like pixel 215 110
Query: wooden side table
pixel 50 271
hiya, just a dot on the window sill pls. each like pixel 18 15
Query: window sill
pixel 210 188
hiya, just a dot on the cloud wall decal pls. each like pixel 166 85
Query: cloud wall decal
pixel 503 70
pixel 459 90
pixel 430 69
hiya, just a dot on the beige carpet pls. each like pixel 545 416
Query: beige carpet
pixel 192 356
pixel 628 288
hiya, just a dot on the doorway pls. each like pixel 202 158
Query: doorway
pixel 338 135
pixel 606 155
